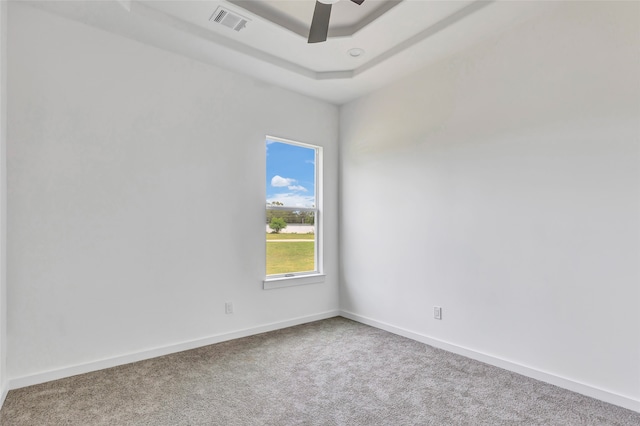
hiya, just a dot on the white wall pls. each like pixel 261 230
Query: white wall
pixel 126 166
pixel 3 201
pixel 519 158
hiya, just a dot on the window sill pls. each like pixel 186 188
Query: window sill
pixel 281 282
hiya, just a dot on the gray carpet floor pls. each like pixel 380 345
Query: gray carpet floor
pixel 331 372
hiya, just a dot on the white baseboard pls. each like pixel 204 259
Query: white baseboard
pixel 47 376
pixel 584 389
pixel 4 390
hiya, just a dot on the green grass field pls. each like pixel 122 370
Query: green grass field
pixel 290 237
pixel 287 257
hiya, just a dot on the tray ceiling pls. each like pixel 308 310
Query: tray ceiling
pixel 347 18
pixel 397 37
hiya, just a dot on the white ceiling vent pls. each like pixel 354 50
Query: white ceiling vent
pixel 229 19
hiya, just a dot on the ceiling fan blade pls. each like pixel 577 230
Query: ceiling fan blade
pixel 320 23
pixel 358 2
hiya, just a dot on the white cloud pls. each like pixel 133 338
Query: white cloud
pixel 279 181
pixel 297 188
pixel 293 200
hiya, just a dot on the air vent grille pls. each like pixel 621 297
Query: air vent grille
pixel 229 19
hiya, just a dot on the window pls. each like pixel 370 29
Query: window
pixel 292 213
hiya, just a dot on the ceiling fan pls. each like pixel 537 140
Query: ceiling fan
pixel 320 22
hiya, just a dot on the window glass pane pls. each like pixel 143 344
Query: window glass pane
pixel 290 209
pixel 291 249
pixel 291 171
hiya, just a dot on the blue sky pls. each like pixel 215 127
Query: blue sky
pixel 290 174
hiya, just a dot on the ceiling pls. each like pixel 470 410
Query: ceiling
pixel 397 36
pixel 295 15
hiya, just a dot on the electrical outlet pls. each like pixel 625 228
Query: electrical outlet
pixel 437 312
pixel 228 307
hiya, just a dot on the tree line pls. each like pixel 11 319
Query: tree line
pixel 290 216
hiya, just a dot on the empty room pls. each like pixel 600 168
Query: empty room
pixel 301 212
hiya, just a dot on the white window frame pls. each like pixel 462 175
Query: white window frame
pixel 309 277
